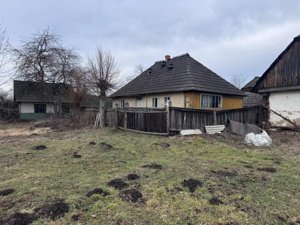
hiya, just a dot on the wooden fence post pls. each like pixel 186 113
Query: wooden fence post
pixel 215 117
pixel 168 117
pixel 125 118
pixel 116 117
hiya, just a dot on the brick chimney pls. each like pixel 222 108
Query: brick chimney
pixel 167 57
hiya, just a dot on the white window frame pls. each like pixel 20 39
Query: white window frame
pixel 122 103
pixel 154 102
pixel 187 104
pixel 166 99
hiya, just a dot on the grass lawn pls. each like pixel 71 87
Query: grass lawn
pixel 236 185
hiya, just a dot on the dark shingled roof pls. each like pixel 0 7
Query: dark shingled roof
pixel 28 91
pixel 181 73
pixel 252 99
pixel 250 84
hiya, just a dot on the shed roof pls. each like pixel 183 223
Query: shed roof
pixel 181 73
pixel 29 91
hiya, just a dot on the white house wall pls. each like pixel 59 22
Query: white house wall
pixel 287 104
pixel 26 108
pixel 29 108
pixel 177 100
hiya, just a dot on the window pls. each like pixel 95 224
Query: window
pixel 39 108
pixel 154 102
pixel 166 99
pixel 138 102
pixel 122 103
pixel 187 102
pixel 65 108
pixel 210 101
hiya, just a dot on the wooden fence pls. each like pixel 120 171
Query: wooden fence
pixel 182 118
pixel 166 121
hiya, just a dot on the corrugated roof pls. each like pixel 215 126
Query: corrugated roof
pixel 181 73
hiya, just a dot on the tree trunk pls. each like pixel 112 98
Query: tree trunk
pixel 102 112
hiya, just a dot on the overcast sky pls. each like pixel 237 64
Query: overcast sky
pixel 229 37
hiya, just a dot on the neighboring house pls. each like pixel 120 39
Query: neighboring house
pixel 182 80
pixel 37 101
pixel 248 87
pixel 251 99
pixel 280 86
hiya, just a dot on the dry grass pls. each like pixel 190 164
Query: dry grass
pixel 237 176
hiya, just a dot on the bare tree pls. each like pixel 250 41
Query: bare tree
pixel 238 80
pixel 79 84
pixel 42 58
pixel 137 71
pixel 102 76
pixel 4 47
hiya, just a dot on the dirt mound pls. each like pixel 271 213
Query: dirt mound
pixel 164 145
pixel 104 146
pixel 267 169
pixel 39 147
pixel 76 217
pixel 117 183
pixel 223 173
pixel 249 166
pixel 132 195
pixel 92 143
pixel 76 155
pixel 153 166
pixel 19 219
pixel 215 201
pixel 6 192
pixel 192 184
pixel 132 176
pixel 98 191
pixel 53 209
pixel 174 190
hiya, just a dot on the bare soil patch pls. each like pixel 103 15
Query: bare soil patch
pixel 215 201
pixel 39 147
pixel 132 176
pixel 53 209
pixel 118 184
pixel 153 166
pixel 92 143
pixel 19 219
pixel 6 192
pixel 224 173
pixel 76 155
pixel 98 191
pixel 104 146
pixel 267 169
pixel 132 195
pixel 192 184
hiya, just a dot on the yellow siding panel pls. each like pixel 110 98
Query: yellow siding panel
pixel 232 103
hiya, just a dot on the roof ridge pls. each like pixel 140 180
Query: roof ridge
pixel 175 57
pixel 189 80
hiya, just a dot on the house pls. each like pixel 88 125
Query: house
pixel 280 86
pixel 37 100
pixel 248 87
pixel 251 99
pixel 182 80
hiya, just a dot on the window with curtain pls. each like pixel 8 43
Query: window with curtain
pixel 210 101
